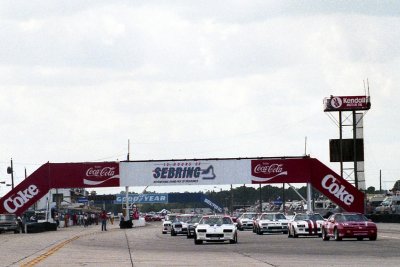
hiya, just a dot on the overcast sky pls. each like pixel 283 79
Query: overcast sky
pixel 194 79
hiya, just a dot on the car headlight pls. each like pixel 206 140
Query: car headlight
pixel 202 230
pixel 228 230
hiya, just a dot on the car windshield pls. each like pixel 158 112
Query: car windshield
pixel 182 218
pixel 7 217
pixel 216 220
pixel 171 218
pixel 249 215
pixel 352 218
pixel 304 217
pixel 194 219
pixel 268 217
pixel 280 217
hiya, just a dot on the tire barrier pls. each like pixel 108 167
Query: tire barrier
pixel 40 227
pixel 125 224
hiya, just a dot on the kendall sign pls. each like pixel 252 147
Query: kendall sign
pixel 343 103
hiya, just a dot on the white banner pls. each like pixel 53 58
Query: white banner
pixel 186 172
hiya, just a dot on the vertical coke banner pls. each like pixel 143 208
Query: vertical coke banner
pixel 59 175
pixel 336 188
pixel 26 193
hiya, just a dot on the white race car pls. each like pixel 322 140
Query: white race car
pixel 167 222
pixel 271 223
pixel 215 228
pixel 245 221
pixel 179 225
pixel 306 225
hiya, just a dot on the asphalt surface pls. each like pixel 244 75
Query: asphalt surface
pixel 147 246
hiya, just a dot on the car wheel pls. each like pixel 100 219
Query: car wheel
pixel 198 242
pixel 373 238
pixel 164 232
pixel 294 233
pixel 325 236
pixel 240 228
pixel 360 238
pixel 336 235
pixel 260 232
pixel 173 232
pixel 234 240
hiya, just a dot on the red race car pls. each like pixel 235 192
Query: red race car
pixel 348 225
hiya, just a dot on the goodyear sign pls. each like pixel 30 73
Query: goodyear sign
pixel 141 198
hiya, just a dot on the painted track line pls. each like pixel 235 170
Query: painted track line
pixel 48 253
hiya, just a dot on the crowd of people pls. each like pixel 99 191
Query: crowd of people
pixel 84 219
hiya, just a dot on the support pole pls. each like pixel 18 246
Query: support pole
pixel 127 187
pixel 231 209
pixel 260 200
pixel 341 143
pixel 283 199
pixel 355 148
pixel 309 198
pixel 126 203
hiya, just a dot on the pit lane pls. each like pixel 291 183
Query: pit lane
pixel 147 246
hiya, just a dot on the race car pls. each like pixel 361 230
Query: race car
pixel 215 228
pixel 271 223
pixel 179 225
pixel 245 221
pixel 348 225
pixel 167 222
pixel 305 224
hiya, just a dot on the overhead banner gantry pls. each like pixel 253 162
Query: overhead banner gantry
pixel 219 171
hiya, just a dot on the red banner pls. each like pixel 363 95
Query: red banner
pixel 59 175
pixel 280 171
pixel 336 188
pixel 27 192
pixel 82 175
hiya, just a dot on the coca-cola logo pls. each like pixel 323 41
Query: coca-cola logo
pixel 100 171
pixel 339 191
pixel 12 204
pixel 268 168
pixel 266 171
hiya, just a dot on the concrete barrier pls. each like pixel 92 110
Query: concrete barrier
pixel 139 223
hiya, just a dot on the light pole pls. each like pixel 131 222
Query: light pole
pixel 10 170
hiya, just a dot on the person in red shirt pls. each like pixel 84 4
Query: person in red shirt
pixel 103 218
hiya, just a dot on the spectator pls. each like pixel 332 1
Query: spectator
pixel 103 218
pixel 57 219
